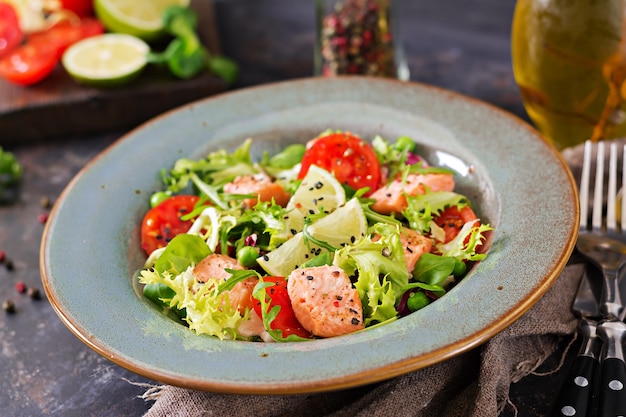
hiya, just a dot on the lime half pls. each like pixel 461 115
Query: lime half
pixel 141 18
pixel 108 60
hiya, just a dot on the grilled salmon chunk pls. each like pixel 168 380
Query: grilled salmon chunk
pixel 324 301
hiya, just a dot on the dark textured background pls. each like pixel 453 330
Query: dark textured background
pixel 462 45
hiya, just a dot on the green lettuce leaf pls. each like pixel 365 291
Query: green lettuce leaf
pixel 381 271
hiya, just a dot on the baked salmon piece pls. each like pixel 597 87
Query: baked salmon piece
pixel 260 185
pixel 391 197
pixel 214 266
pixel 414 245
pixel 324 301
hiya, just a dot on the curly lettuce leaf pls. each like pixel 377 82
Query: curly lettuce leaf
pixel 208 310
pixel 369 261
pixel 216 169
pixel 422 208
pixel 464 246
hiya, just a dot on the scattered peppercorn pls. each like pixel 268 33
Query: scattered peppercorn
pixel 8 306
pixel 34 293
pixel 8 264
pixel 45 202
pixel 43 217
pixel 3 256
pixel 20 287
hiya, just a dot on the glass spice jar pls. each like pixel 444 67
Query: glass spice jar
pixel 355 37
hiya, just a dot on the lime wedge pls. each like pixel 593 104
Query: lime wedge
pixel 108 60
pixel 319 190
pixel 287 257
pixel 344 226
pixel 141 18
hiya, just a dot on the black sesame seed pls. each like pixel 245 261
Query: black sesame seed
pixel 309 277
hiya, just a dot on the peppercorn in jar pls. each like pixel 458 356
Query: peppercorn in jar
pixel 355 38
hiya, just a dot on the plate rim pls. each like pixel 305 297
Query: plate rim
pixel 354 379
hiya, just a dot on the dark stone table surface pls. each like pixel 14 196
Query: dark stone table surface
pixel 461 45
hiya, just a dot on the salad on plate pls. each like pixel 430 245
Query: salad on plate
pixel 319 240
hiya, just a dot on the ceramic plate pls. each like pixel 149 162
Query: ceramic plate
pixel 91 249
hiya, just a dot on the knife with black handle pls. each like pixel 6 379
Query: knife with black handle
pixel 612 384
pixel 576 396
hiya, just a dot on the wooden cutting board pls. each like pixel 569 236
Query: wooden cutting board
pixel 59 108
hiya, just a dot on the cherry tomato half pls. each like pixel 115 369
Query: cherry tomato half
pixel 286 320
pixel 452 220
pixel 10 32
pixel 35 60
pixel 60 36
pixel 163 222
pixel 28 65
pixel 351 160
pixel 81 7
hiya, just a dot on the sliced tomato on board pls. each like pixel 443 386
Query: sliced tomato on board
pixel 28 65
pixel 62 35
pixel 163 222
pixel 10 32
pixel 37 58
pixel 452 220
pixel 82 8
pixel 351 160
pixel 286 320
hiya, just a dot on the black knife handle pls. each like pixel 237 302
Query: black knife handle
pixel 575 396
pixel 612 384
pixel 612 388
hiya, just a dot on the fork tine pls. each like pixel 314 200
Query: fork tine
pixel 583 195
pixel 612 189
pixel 596 214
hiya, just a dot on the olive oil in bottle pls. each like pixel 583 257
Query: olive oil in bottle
pixel 569 61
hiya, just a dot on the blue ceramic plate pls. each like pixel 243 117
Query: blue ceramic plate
pixel 91 249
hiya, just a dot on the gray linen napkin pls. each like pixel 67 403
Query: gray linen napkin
pixel 474 384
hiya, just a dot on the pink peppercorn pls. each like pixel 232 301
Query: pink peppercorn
pixel 20 287
pixel 43 217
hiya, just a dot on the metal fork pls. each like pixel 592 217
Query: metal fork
pixel 602 241
pixel 602 244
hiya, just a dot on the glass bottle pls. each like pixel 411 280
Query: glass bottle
pixel 356 37
pixel 569 60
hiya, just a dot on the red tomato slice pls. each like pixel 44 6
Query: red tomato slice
pixel 35 60
pixel 28 65
pixel 452 220
pixel 163 222
pixel 10 32
pixel 286 320
pixel 60 36
pixel 351 160
pixel 81 7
